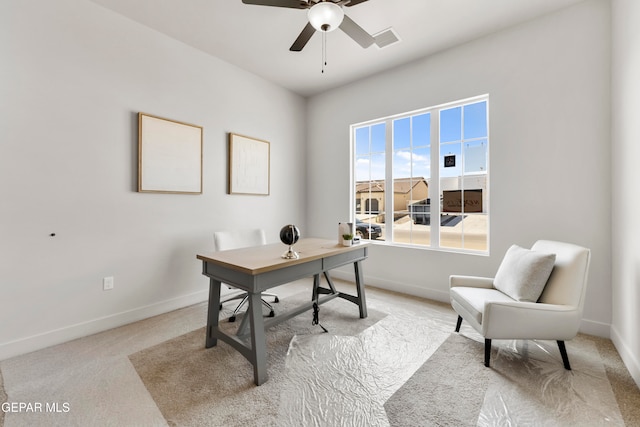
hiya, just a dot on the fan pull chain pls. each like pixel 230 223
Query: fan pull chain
pixel 324 50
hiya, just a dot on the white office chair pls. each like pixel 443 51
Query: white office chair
pixel 226 240
pixel 510 307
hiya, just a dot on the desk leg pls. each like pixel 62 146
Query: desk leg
pixel 258 339
pixel 213 312
pixel 316 287
pixel 362 302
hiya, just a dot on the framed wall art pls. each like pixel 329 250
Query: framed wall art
pixel 169 156
pixel 249 165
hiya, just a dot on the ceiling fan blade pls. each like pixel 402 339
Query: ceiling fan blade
pixel 354 2
pixel 356 32
pixel 303 38
pixel 294 4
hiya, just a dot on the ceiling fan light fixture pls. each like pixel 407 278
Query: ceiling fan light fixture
pixel 325 16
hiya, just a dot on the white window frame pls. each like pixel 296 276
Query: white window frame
pixel 434 179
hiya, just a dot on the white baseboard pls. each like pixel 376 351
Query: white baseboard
pixel 631 362
pixel 389 285
pixel 79 330
pixel 593 327
pixel 68 333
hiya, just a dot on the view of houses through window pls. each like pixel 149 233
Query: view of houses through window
pixel 402 180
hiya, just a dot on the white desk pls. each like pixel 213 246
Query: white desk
pixel 259 268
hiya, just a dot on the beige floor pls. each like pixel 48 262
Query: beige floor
pixel 90 381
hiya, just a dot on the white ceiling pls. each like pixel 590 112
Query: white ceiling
pixel 257 38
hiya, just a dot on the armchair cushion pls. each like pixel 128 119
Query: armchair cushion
pixel 523 273
pixel 472 300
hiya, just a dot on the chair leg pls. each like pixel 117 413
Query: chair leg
pixel 232 297
pixel 458 323
pixel 565 357
pixel 487 351
pixel 232 318
pixel 271 312
pixel 275 297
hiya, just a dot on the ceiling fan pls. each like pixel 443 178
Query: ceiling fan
pixel 324 16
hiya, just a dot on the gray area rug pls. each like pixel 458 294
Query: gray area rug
pixel 448 390
pixel 194 386
pixel 526 385
pixel 312 382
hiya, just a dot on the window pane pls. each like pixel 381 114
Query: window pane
pixel 378 136
pixel 420 215
pixel 369 229
pixel 402 133
pixel 369 170
pixel 421 130
pixel 476 232
pixel 369 205
pixel 451 160
pixel 451 231
pixel 408 226
pixel 451 220
pixel 451 124
pixel 377 166
pixel 421 163
pixel 463 224
pixel 401 224
pixel 411 169
pixel 362 141
pixel 363 168
pixel 402 163
pixel 475 156
pixel 369 173
pixel 475 120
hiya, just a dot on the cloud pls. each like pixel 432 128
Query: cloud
pixel 406 155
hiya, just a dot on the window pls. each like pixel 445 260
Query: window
pixel 414 167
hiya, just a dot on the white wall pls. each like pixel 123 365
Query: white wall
pixel 626 177
pixel 548 82
pixel 73 77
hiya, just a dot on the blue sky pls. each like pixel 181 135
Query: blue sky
pixel 415 132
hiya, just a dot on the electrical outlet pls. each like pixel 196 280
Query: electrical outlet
pixel 107 283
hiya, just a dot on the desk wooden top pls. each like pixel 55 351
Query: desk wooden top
pixel 261 259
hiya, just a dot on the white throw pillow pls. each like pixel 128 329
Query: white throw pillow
pixel 523 273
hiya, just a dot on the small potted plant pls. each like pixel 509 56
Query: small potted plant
pixel 347 239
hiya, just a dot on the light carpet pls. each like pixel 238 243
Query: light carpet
pixel 402 366
pixel 3 398
pixel 386 370
pixel 194 386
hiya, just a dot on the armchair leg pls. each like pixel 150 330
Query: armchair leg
pixel 487 351
pixel 565 357
pixel 459 323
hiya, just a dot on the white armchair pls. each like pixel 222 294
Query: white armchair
pixel 507 306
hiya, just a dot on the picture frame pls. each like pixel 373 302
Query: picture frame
pixel 249 165
pixel 169 156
